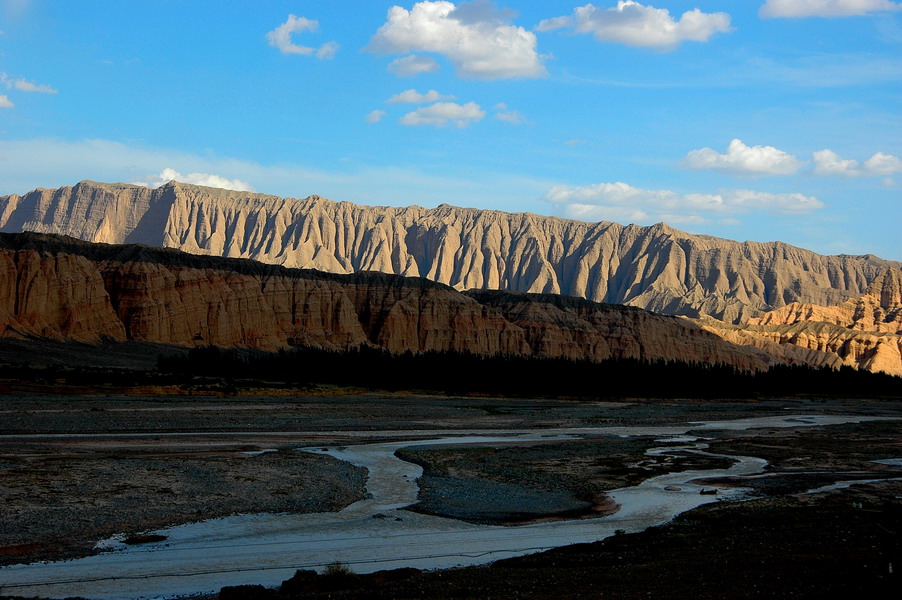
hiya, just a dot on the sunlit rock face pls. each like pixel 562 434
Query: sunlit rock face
pixel 64 289
pixel 863 332
pixel 657 268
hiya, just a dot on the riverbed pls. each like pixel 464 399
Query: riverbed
pixel 378 533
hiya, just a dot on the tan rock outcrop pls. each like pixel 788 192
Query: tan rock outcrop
pixel 68 290
pixel 657 268
pixel 879 310
pixel 864 332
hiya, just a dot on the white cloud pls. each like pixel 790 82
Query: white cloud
pixel 793 204
pixel 441 114
pixel 828 162
pixel 474 36
pixel 327 50
pixel 23 85
pixel 205 179
pixel 634 24
pixel 413 65
pixel 882 164
pixel 375 116
pixel 5 102
pixel 280 37
pixel 514 117
pixel 620 201
pixel 414 97
pixel 740 159
pixel 27 86
pixel 825 8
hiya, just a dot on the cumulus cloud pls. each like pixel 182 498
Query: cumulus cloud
pixel 205 179
pixel 5 102
pixel 23 85
pixel 882 164
pixel 375 116
pixel 441 114
pixel 828 162
pixel 621 201
pixel 824 8
pixel 413 65
pixel 414 97
pixel 635 24
pixel 476 37
pixel 280 37
pixel 740 159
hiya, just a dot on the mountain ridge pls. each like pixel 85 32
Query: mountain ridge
pixel 657 267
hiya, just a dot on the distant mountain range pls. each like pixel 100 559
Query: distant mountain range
pixel 657 268
pixel 756 303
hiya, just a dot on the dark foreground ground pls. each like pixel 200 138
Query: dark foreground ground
pixel 163 461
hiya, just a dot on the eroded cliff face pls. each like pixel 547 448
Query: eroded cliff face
pixel 68 290
pixel 879 310
pixel 60 297
pixel 575 328
pixel 863 332
pixel 657 268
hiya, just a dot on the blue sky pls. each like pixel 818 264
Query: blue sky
pixel 745 119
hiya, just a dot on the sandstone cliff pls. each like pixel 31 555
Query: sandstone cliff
pixel 657 268
pixel 58 288
pixel 864 332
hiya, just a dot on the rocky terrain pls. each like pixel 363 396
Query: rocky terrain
pixel 62 289
pixel 863 332
pixel 657 268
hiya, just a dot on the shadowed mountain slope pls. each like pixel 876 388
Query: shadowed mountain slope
pixel 67 290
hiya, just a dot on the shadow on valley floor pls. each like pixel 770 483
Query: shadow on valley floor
pixel 842 544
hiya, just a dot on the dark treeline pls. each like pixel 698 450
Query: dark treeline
pixel 464 373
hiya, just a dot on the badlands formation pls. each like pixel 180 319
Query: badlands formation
pixel 67 290
pixel 656 268
pixel 864 332
pixel 782 303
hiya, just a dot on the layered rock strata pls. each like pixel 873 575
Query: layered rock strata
pixel 657 268
pixel 864 332
pixel 63 289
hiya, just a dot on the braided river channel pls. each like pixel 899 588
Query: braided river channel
pixel 377 533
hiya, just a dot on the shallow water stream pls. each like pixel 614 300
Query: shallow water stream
pixel 376 533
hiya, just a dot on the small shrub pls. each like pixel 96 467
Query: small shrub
pixel 337 569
